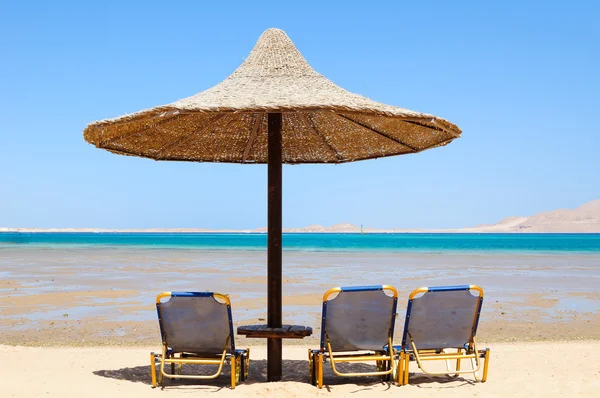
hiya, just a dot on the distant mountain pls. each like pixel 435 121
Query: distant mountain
pixel 310 228
pixel 586 218
pixel 319 228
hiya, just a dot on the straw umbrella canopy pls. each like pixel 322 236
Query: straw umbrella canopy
pixel 274 108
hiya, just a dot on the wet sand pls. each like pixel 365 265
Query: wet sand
pixel 105 295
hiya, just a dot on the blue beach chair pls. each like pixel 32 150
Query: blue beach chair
pixel 197 328
pixel 357 326
pixel 439 319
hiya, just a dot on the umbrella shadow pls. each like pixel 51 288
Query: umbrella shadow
pixel 293 370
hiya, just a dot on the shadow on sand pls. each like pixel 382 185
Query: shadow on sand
pixel 427 381
pixel 293 370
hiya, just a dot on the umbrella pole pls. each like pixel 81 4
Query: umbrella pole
pixel 274 246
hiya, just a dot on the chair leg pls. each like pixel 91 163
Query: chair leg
pixel 406 367
pixel 173 365
pixel 162 365
pixel 233 371
pixel 474 366
pixel 246 363
pixel 381 366
pixel 153 369
pixel 393 365
pixel 485 365
pixel 319 370
pixel 242 367
pixel 399 376
pixel 311 368
pixel 387 365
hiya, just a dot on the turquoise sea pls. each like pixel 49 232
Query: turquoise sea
pixel 401 242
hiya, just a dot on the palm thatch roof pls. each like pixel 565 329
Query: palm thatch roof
pixel 322 122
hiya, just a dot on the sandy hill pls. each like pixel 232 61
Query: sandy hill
pixel 319 228
pixel 585 218
pixel 310 228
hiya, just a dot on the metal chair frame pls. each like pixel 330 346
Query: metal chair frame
pixel 385 358
pixel 408 353
pixel 239 359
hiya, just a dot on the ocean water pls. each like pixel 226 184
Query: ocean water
pixel 330 242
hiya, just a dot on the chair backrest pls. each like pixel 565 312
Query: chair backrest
pixel 358 318
pixel 443 317
pixel 195 322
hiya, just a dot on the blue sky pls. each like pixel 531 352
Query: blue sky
pixel 520 78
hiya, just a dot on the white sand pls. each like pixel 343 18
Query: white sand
pixel 527 370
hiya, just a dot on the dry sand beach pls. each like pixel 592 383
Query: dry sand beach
pixel 558 369
pixel 81 321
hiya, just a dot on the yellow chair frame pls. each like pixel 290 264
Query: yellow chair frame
pixel 385 359
pixel 470 352
pixel 193 359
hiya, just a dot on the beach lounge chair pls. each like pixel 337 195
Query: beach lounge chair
pixel 357 326
pixel 439 319
pixel 197 328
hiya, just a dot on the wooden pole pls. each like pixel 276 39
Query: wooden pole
pixel 274 246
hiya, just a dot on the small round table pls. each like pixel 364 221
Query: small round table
pixel 274 334
pixel 266 332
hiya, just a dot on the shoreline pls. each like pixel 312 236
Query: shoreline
pixel 290 251
pixel 459 231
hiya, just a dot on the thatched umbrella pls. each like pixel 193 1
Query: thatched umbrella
pixel 273 109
